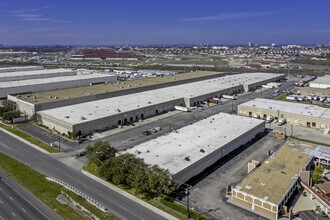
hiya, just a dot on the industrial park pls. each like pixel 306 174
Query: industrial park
pixel 164 111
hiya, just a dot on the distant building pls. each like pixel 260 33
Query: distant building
pixel 104 54
pixel 321 82
pixel 250 44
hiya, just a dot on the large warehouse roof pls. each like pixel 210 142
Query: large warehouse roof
pixel 19 68
pixel 208 135
pixel 294 108
pixel 107 107
pixel 273 178
pixel 62 94
pixel 323 81
pixel 22 75
pixel 49 80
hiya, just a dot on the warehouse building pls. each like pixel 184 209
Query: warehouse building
pixel 20 68
pixel 36 74
pixel 305 91
pixel 109 113
pixel 44 84
pixel 321 82
pixel 305 115
pixel 188 151
pixel 184 84
pixel 45 100
pixel 266 190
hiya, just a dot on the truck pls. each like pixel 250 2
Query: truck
pixel 181 108
pixel 281 121
pixel 232 97
pixel 255 115
pixel 269 119
pixel 215 100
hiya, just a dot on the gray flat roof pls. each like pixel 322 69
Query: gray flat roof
pixel 34 72
pixel 18 68
pixel 107 107
pixel 289 107
pixel 322 80
pixel 49 80
pixel 169 151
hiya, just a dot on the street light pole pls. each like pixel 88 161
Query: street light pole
pixel 188 205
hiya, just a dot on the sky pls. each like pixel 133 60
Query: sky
pixel 146 22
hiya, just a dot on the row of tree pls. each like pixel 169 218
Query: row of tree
pixel 130 171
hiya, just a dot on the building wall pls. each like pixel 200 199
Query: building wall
pixel 54 85
pixel 19 69
pixel 197 167
pixel 291 118
pixel 55 124
pixel 255 204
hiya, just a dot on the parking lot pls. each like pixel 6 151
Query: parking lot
pixel 208 195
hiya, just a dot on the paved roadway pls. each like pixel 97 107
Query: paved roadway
pixel 17 203
pixel 119 205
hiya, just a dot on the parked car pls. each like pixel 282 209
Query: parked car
pixel 146 133
pixel 281 121
pixel 269 119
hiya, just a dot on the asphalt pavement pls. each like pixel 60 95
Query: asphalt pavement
pixel 117 204
pixel 17 203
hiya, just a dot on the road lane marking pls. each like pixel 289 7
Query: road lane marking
pixel 23 209
pixel 1 202
pixel 13 214
pixel 11 198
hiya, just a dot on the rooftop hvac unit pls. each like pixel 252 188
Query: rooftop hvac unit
pixel 82 118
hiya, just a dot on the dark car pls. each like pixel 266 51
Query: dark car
pixel 146 133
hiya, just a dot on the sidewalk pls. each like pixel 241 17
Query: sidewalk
pixel 129 196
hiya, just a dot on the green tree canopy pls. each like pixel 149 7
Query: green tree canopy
pixel 100 152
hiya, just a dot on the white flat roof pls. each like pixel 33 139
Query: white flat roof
pixel 34 72
pixel 107 107
pixel 322 80
pixel 169 151
pixel 289 107
pixel 50 80
pixel 18 68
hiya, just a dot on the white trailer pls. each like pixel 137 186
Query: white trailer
pixel 181 108
pixel 232 97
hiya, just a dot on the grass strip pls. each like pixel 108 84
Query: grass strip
pixel 37 184
pixel 30 138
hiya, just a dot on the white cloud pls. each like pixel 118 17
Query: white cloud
pixel 230 16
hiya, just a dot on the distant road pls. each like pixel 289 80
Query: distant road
pixel 17 203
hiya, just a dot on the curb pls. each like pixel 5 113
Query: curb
pixel 129 196
pixel 24 141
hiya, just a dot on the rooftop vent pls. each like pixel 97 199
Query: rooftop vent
pixel 82 118
pixel 67 116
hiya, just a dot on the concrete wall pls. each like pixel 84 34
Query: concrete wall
pixel 291 118
pixel 319 85
pixel 197 167
pixel 54 85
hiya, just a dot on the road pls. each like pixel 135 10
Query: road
pixel 119 205
pixel 17 203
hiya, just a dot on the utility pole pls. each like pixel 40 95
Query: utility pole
pixel 59 141
pixel 188 205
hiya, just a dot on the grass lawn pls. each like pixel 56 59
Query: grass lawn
pixel 30 138
pixel 177 210
pixel 47 191
pixel 36 183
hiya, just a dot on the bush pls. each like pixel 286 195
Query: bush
pixel 8 116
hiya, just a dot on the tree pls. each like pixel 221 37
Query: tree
pixel 100 152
